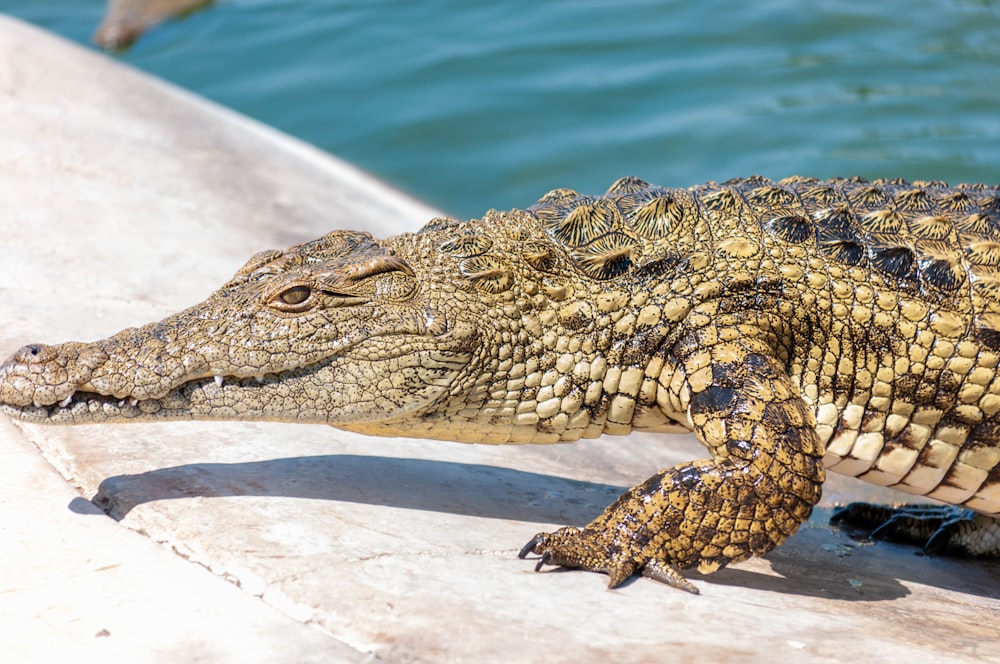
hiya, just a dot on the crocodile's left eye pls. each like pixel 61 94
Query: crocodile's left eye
pixel 295 295
pixel 293 300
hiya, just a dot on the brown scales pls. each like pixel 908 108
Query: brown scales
pixel 892 226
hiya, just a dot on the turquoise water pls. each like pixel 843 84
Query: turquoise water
pixel 471 105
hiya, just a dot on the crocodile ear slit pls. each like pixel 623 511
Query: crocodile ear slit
pixel 348 275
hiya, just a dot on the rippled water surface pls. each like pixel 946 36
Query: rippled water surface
pixel 472 105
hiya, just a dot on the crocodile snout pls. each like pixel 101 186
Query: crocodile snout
pixel 18 375
pixel 34 354
pixel 41 375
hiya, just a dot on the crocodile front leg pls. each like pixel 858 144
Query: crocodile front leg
pixel 761 484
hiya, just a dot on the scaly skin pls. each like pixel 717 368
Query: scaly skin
pixel 793 326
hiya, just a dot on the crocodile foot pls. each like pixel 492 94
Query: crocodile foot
pixel 938 529
pixel 583 549
pixel 765 476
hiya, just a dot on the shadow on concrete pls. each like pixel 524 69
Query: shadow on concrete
pixel 822 561
pixel 819 561
pixel 419 484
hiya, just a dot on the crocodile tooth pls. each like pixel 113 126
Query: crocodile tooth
pixel 260 379
pixel 133 402
pixel 121 403
pixel 65 402
pixel 218 381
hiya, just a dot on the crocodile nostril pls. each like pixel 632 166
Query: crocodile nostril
pixel 35 353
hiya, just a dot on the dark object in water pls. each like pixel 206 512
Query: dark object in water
pixel 126 20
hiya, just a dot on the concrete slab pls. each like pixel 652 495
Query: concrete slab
pixel 74 586
pixel 122 200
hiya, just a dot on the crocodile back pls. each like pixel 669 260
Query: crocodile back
pixel 926 237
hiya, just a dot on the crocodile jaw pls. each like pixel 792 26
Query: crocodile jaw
pixel 324 393
pixel 170 371
pixel 61 385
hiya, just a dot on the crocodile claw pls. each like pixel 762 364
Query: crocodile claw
pixel 578 549
pixel 530 546
pixel 533 546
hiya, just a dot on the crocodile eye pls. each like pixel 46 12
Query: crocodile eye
pixel 295 295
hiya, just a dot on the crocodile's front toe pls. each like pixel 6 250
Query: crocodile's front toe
pixel 589 550
pixel 581 549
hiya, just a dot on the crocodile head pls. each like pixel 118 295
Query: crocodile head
pixel 345 330
pixel 524 326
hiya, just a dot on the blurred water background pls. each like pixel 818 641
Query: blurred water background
pixel 470 105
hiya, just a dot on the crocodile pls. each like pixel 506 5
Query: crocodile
pixel 794 326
